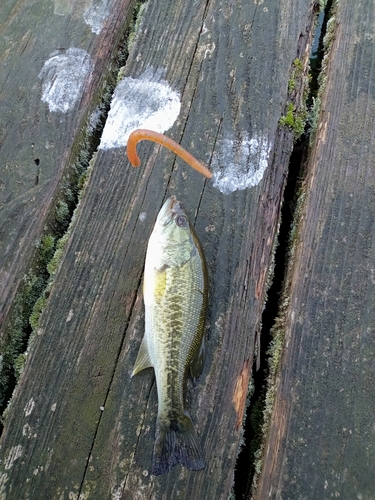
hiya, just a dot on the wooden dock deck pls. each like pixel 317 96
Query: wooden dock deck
pixel 216 77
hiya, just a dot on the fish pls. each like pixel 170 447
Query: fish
pixel 175 293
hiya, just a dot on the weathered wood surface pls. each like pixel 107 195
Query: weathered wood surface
pixel 231 64
pixel 322 438
pixel 38 146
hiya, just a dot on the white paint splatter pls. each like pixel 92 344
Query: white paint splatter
pixel 63 78
pixel 142 216
pixel 147 102
pixel 240 163
pixel 96 14
pixel 27 431
pixel 13 455
pixel 70 315
pixel 206 49
pixel 29 407
pixel 117 494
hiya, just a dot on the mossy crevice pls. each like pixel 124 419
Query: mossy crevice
pixel 278 332
pixel 249 462
pixel 321 81
pixel 33 292
pixel 14 340
pixel 296 114
pixel 136 22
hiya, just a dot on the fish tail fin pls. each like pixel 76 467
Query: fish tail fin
pixel 176 443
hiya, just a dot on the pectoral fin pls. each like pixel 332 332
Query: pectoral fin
pixel 196 365
pixel 143 359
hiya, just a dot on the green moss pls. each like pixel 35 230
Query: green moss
pixel 120 74
pixel 15 336
pixel 136 21
pixel 37 310
pixel 288 119
pixel 298 65
pixel 46 247
pixel 291 84
pixel 62 213
pixel 55 261
pixel 296 74
pixel 19 364
pixel 296 121
pixel 299 124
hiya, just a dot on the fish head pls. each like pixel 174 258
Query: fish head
pixel 172 211
pixel 172 239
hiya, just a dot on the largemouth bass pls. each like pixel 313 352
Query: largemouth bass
pixel 175 294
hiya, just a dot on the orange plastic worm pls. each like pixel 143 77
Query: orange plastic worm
pixel 143 134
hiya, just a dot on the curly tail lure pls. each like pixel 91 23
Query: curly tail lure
pixel 149 135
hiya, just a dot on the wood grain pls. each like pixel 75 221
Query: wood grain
pixel 37 146
pixel 321 441
pixel 79 426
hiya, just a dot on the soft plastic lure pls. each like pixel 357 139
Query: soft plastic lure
pixel 149 135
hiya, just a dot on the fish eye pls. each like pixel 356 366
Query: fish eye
pixel 181 221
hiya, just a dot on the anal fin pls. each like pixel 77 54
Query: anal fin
pixel 143 360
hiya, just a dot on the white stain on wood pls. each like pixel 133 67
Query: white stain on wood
pixel 96 14
pixel 240 163
pixel 64 76
pixel 27 431
pixel 206 50
pixel 146 102
pixel 70 315
pixel 14 453
pixel 29 407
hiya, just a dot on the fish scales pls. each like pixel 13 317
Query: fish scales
pixel 175 295
pixel 177 313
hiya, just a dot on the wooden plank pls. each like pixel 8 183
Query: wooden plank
pixel 57 438
pixel 321 439
pixel 52 73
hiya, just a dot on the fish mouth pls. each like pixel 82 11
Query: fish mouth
pixel 171 208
